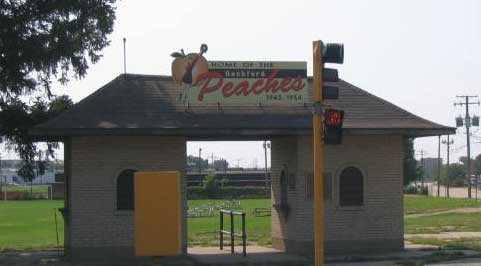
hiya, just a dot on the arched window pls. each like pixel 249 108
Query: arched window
pixel 125 190
pixel 351 187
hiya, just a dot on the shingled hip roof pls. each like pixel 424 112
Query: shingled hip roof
pixel 145 105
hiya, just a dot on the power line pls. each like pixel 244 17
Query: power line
pixel 458 148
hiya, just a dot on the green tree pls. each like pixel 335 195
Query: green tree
pixel 17 118
pixel 210 186
pixel 410 165
pixel 456 173
pixel 43 41
pixel 419 175
pixel 477 165
pixel 444 174
pixel 464 161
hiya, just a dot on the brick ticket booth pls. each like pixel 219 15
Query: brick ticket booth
pixel 134 124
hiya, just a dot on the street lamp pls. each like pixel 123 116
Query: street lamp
pixel 266 145
pixel 200 161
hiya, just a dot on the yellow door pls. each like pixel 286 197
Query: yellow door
pixel 157 214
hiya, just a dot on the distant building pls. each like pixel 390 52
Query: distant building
pixel 9 173
pixel 430 167
pixel 9 176
pixel 247 178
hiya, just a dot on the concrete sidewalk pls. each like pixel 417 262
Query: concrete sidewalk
pixel 255 256
pixel 463 262
pixel 268 256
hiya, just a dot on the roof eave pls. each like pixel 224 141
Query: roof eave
pixel 48 134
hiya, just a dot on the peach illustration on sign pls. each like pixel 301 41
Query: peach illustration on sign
pixel 187 68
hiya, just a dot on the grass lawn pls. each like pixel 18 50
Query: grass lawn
pixel 29 224
pixel 203 231
pixel 452 222
pixel 433 224
pixel 424 204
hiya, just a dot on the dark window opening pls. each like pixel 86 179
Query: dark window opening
pixel 351 187
pixel 327 185
pixel 292 182
pixel 309 193
pixel 309 180
pixel 125 190
pixel 284 182
pixel 284 186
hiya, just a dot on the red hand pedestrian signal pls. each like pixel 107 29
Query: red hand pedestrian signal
pixel 333 117
pixel 333 126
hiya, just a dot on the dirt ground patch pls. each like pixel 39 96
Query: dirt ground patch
pixel 446 235
pixel 460 210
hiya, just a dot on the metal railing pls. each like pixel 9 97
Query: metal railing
pixel 232 233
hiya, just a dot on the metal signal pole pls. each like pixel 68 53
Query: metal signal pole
pixel 468 142
pixel 317 127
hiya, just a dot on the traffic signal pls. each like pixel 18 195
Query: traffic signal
pixel 330 92
pixel 475 121
pixel 331 53
pixel 333 120
pixel 459 121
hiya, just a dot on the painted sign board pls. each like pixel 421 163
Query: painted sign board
pixel 157 214
pixel 239 83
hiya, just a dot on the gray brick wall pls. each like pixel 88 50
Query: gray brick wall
pixel 380 219
pixel 96 162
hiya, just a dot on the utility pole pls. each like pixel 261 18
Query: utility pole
pixel 448 143
pixel 467 123
pixel 439 162
pixel 225 168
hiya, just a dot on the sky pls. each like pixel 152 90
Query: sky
pixel 416 54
